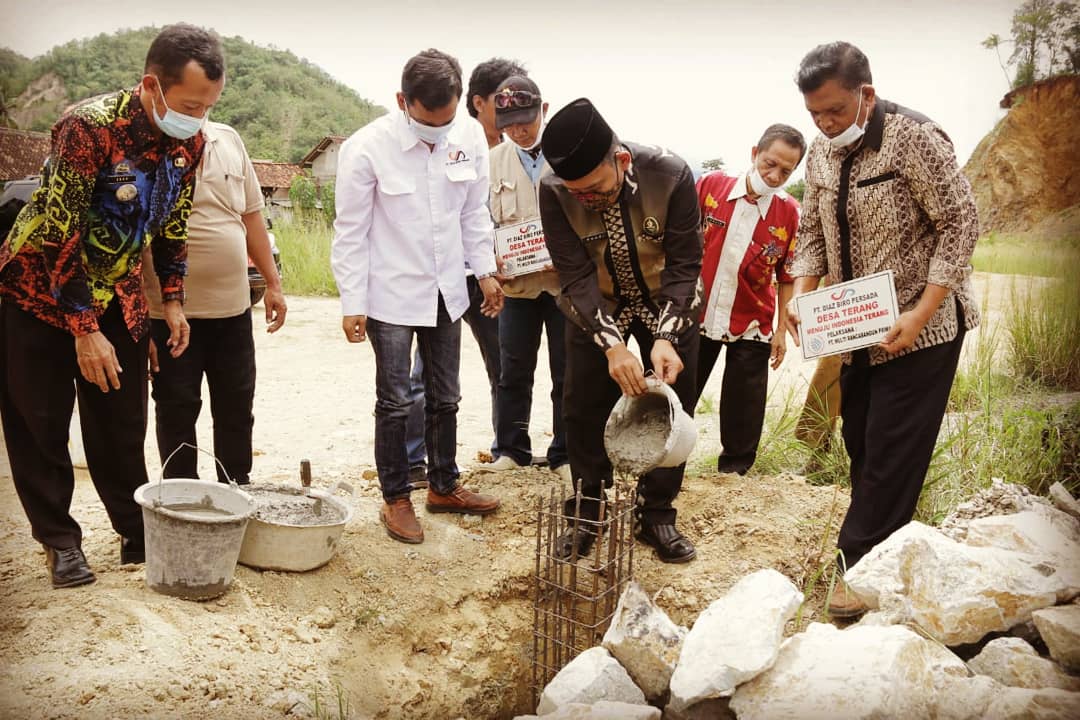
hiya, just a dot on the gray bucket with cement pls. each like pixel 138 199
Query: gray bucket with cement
pixel 193 531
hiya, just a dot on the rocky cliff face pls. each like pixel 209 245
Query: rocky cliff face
pixel 1027 170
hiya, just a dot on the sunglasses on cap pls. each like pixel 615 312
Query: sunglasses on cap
pixel 515 98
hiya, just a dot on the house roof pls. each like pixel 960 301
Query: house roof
pixel 320 148
pixel 22 153
pixel 275 174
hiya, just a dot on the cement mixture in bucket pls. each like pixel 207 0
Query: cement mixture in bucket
pixel 638 442
pixel 290 506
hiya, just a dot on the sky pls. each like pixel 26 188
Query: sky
pixel 702 78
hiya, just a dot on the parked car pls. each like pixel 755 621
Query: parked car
pixel 16 193
pixel 256 281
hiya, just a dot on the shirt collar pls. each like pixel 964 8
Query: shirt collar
pixel 526 158
pixel 739 191
pixel 406 136
pixel 875 126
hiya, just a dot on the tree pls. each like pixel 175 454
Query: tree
pixel 303 193
pixel 1046 40
pixel 712 165
pixel 796 189
pixel 994 43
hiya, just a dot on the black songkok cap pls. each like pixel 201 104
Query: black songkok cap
pixel 576 140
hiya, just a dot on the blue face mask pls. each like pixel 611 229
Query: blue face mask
pixel 174 124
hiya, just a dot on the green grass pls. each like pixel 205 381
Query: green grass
pixel 1021 255
pixel 304 243
pixel 1009 414
pixel 1044 334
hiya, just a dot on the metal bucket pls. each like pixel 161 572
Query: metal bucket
pixel 635 444
pixel 193 530
pixel 275 545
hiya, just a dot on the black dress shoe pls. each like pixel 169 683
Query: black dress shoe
pixel 132 551
pixel 68 567
pixel 583 537
pixel 670 544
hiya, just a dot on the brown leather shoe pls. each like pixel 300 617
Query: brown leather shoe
pixel 461 501
pixel 400 521
pixel 844 603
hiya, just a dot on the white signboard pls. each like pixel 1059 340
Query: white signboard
pixel 847 316
pixel 522 248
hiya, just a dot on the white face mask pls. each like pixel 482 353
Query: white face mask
pixel 853 131
pixel 758 184
pixel 536 144
pixel 427 133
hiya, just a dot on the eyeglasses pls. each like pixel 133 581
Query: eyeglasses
pixel 516 98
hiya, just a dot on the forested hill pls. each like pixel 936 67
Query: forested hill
pixel 281 105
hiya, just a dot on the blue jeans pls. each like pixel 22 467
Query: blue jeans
pixel 440 349
pixel 520 325
pixel 486 332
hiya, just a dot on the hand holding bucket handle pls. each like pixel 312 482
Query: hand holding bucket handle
pixel 232 483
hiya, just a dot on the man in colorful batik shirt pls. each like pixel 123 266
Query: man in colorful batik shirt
pixel 73 321
pixel 749 225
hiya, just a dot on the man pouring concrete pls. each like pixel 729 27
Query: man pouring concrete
pixel 622 224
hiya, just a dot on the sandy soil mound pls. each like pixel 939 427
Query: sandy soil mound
pixel 438 630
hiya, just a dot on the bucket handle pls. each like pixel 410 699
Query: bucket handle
pixel 344 487
pixel 232 483
pixel 653 381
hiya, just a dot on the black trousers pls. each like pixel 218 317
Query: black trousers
pixel 892 414
pixel 40 381
pixel 590 394
pixel 223 350
pixel 742 397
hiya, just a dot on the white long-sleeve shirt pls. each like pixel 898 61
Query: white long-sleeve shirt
pixel 408 219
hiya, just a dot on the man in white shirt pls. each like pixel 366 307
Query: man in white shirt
pixel 411 192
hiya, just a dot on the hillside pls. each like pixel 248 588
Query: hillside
pixel 1026 171
pixel 281 104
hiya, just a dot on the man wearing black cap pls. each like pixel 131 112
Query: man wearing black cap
pixel 622 225
pixel 516 169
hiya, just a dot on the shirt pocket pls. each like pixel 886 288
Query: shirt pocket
pixel 397 196
pixel 461 176
pixel 234 188
pixel 504 202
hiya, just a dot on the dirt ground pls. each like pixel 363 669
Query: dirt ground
pixel 438 630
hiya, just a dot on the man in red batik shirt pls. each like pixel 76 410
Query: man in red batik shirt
pixel 749 225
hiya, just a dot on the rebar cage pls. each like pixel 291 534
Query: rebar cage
pixel 574 598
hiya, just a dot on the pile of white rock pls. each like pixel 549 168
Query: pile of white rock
pixel 1010 587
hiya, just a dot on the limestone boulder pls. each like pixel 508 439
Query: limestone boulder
pixel 959 593
pixel 645 641
pixel 1026 704
pixel 737 637
pixel 602 710
pixel 860 672
pixel 1048 535
pixel 592 676
pixel 1059 628
pixel 1014 663
pixel 1064 501
pixel 876 577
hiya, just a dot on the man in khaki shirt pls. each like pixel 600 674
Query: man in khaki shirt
pixel 225 227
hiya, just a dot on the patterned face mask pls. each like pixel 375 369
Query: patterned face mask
pixel 600 200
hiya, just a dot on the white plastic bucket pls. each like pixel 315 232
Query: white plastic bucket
pixel 631 449
pixel 272 545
